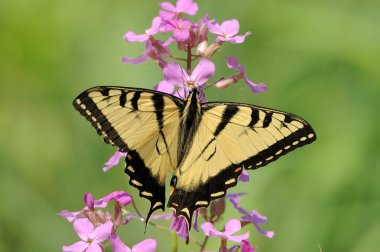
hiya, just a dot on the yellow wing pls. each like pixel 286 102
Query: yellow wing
pixel 232 137
pixel 144 123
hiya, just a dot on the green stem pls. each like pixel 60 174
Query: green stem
pixel 204 244
pixel 188 68
pixel 174 242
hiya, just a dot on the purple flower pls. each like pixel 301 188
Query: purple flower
pixel 154 29
pixel 148 245
pixel 227 30
pixel 182 6
pixel 90 236
pixel 154 49
pixel 232 62
pixel 181 227
pixel 180 28
pixel 256 218
pixel 174 74
pixel 244 177
pixel 253 217
pixel 231 227
pixel 114 160
pixel 245 246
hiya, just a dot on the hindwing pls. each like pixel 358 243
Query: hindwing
pixel 232 137
pixel 145 124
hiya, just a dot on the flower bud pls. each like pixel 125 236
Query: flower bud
pixel 211 50
pixel 201 49
pixel 100 216
pixel 224 83
pixel 89 201
pixel 217 208
pixel 118 217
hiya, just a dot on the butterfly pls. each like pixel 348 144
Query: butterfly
pixel 205 146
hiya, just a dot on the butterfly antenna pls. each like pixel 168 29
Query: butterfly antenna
pixel 213 84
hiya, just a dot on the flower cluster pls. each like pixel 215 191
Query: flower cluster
pixel 93 224
pixel 94 227
pixel 193 39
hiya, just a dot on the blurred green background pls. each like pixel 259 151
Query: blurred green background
pixel 320 60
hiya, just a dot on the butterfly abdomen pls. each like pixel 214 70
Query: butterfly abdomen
pixel 191 116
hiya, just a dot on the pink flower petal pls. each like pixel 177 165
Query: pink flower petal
pixel 246 247
pixel 140 59
pixel 70 216
pixel 76 247
pixel 94 247
pixel 133 37
pixel 83 228
pixel 215 28
pixel 235 39
pixel 181 34
pixel 119 196
pixel 165 86
pixel 187 6
pixel 230 27
pixel 232 226
pixel 114 160
pixel 102 232
pixel 148 245
pixel 118 245
pixel 155 28
pixel 168 6
pixel 202 72
pixel 238 238
pixel 176 75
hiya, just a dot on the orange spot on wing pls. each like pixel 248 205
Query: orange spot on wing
pixel 238 169
pixel 129 157
pixel 175 204
pixel 171 190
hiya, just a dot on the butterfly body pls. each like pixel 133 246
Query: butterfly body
pixel 205 145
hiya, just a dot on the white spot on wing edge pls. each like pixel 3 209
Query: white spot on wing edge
pixel 217 194
pixel 130 168
pixel 269 158
pixel 157 204
pixel 186 211
pixel 303 138
pixel 147 194
pixel 83 106
pixel 201 203
pixel 135 182
pixel 77 101
pixel 230 181
pixel 279 152
pixel 310 135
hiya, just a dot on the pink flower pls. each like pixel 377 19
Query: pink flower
pixel 174 74
pixel 227 30
pixel 114 160
pixel 231 227
pixel 181 227
pixel 233 63
pixel 245 246
pixel 253 217
pixel 156 50
pixel 154 29
pixel 119 197
pixel 90 236
pixel 181 29
pixel 148 245
pixel 182 6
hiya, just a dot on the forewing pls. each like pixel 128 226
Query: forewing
pixel 232 137
pixel 144 123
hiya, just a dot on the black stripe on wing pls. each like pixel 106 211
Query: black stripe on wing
pixel 141 178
